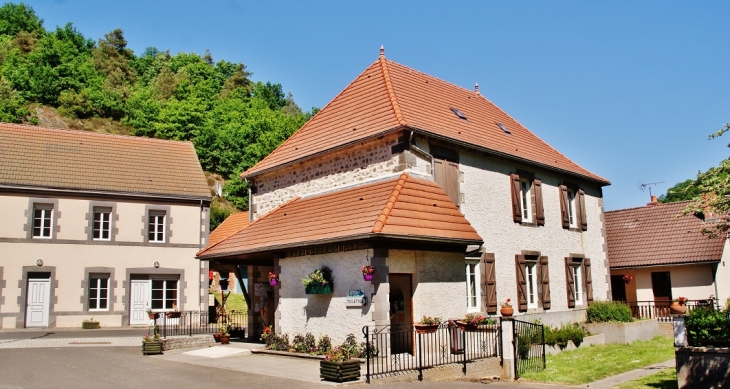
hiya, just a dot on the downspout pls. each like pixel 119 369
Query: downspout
pixel 250 211
pixel 200 247
pixel 423 153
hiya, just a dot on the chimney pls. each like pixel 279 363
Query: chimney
pixel 654 201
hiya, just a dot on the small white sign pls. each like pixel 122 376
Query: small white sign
pixel 356 299
pixel 211 300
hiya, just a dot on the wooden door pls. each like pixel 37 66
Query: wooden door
pixel 401 306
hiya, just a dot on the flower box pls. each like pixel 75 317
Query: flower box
pixel 339 371
pixel 426 328
pixel 90 325
pixel 152 347
pixel 318 289
pixel 173 314
pixel 469 327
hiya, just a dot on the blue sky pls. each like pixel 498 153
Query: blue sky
pixel 628 90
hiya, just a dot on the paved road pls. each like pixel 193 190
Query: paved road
pixel 54 333
pixel 125 367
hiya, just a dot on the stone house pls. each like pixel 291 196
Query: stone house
pixel 492 212
pixel 98 225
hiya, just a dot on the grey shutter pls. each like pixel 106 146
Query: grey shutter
pixel 539 210
pixel 582 206
pixel 545 282
pixel 564 208
pixel 569 282
pixel 490 278
pixel 516 207
pixel 521 282
pixel 589 280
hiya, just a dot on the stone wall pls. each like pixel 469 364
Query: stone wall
pixel 702 367
pixel 187 341
pixel 625 332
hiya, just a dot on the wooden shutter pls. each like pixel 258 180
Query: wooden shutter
pixel 446 174
pixel 545 282
pixel 539 210
pixel 490 281
pixel 569 282
pixel 582 207
pixel 564 208
pixel 589 280
pixel 521 282
pixel 516 207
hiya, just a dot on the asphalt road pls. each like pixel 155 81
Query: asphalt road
pixel 125 367
pixel 72 333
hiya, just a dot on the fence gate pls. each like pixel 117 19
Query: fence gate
pixel 529 347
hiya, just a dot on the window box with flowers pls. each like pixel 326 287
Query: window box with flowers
pixel 273 279
pixel 367 272
pixel 319 281
pixel 427 325
pixel 474 322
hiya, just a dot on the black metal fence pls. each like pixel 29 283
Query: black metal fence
pixel 406 348
pixel 200 322
pixel 529 347
pixel 660 309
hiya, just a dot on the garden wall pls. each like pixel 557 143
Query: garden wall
pixel 702 367
pixel 187 341
pixel 587 341
pixel 626 332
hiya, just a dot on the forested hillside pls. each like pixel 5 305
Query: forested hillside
pixel 233 121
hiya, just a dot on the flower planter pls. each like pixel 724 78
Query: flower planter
pixel 225 339
pixel 367 277
pixel 152 347
pixel 90 325
pixel 318 289
pixel 217 337
pixel 339 371
pixel 173 315
pixel 507 311
pixel 426 328
pixel 152 316
pixel 273 282
pixel 677 309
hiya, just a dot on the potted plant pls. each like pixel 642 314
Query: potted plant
pixel 225 336
pixel 152 345
pixel 338 366
pixel 473 322
pixel 678 306
pixel 506 309
pixel 627 278
pixel 367 272
pixel 427 325
pixel 319 281
pixel 151 314
pixel 273 279
pixel 90 324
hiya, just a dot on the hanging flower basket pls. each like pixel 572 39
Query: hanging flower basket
pixel 273 279
pixel 273 282
pixel 318 289
pixel 367 272
pixel 367 277
pixel 319 281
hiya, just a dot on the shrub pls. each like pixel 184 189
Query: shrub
pixel 609 311
pixel 324 345
pixel 707 325
pixel 565 333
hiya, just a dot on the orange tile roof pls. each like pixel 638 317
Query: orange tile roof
pixel 404 207
pixel 388 96
pixel 233 223
pixel 80 160
pixel 658 235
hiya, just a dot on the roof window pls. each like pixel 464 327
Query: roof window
pixel 458 113
pixel 502 126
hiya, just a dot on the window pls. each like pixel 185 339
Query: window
pixel 573 208
pixel 531 283
pixel 527 199
pixel 102 223
pixel 577 293
pixel 164 294
pixel 156 230
pixel 472 285
pixel 99 292
pixel 578 281
pixel 42 221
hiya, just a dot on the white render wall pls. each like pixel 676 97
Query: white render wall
pixel 722 275
pixel 694 282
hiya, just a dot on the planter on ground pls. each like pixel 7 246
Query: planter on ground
pixel 339 371
pixel 625 332
pixel 217 337
pixel 318 289
pixel 90 325
pixel 225 339
pixel 152 347
pixel 426 328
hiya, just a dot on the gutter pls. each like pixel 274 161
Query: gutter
pixel 105 193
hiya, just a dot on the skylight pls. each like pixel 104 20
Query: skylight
pixel 500 125
pixel 458 113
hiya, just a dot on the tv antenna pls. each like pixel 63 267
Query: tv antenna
pixel 644 186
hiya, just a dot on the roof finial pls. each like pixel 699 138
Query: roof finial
pixel 382 51
pixel 476 88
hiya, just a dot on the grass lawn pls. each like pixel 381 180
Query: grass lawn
pixel 665 379
pixel 235 302
pixel 588 364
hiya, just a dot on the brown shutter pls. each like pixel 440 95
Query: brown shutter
pixel 589 280
pixel 545 282
pixel 564 208
pixel 569 282
pixel 539 210
pixel 582 206
pixel 446 174
pixel 490 278
pixel 521 282
pixel 516 207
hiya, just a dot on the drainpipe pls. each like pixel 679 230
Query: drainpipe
pixel 250 213
pixel 200 247
pixel 420 151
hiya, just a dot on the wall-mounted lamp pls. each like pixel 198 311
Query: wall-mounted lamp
pixel 39 262
pixel 157 265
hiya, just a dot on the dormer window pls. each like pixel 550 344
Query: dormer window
pixel 504 128
pixel 458 113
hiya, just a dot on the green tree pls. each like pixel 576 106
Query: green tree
pixel 685 190
pixel 15 18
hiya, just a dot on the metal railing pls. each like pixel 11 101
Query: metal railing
pixel 660 309
pixel 404 348
pixel 529 347
pixel 200 322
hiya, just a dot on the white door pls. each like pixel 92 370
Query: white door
pixel 37 302
pixel 140 302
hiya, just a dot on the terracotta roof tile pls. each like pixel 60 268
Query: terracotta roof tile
pixel 421 210
pixel 658 235
pixel 80 160
pixel 388 96
pixel 233 223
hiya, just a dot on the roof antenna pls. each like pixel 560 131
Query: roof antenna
pixel 382 51
pixel 648 185
pixel 476 88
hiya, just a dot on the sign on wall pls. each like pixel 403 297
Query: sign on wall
pixel 356 299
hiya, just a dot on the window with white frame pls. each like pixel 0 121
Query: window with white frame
pixel 156 229
pixel 571 208
pixel 164 294
pixel 43 221
pixel 578 288
pixel 99 292
pixel 526 200
pixel 531 282
pixel 102 223
pixel 472 285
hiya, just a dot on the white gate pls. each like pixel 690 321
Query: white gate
pixel 37 302
pixel 140 302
